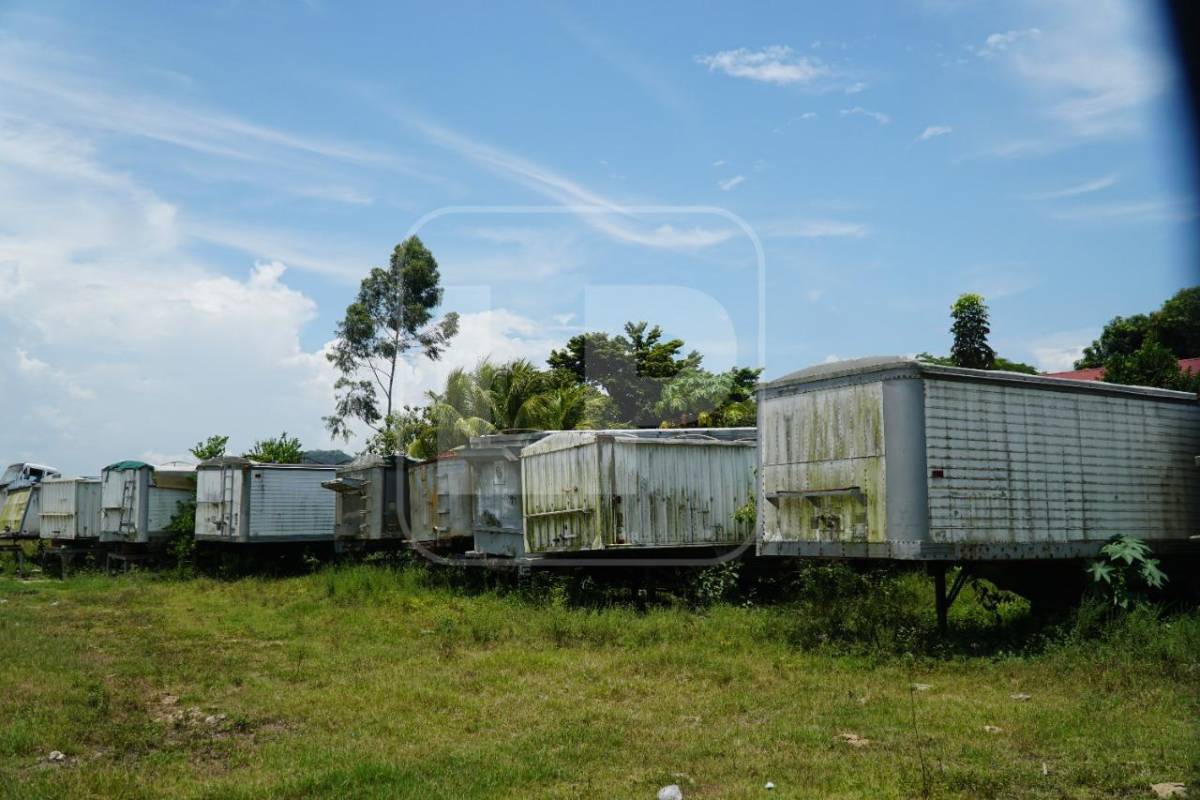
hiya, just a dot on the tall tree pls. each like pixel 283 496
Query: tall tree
pixel 970 329
pixel 632 369
pixel 391 316
pixel 1175 325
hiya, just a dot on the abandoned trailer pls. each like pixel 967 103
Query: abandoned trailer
pixel 371 500
pixel 138 500
pixel 439 491
pixel 70 509
pixel 495 471
pixel 246 502
pixel 592 491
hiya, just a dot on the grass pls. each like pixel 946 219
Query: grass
pixel 370 681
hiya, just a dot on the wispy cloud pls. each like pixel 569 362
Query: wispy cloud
pixel 878 116
pixel 813 229
pixel 41 83
pixel 1058 352
pixel 1146 211
pixel 934 131
pixel 728 184
pixel 1087 187
pixel 1090 62
pixel 603 214
pixel 777 64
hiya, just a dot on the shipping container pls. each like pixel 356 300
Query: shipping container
pixel 138 500
pixel 246 502
pixel 371 498
pixel 70 509
pixel 439 492
pixel 627 490
pixel 495 468
pixel 896 458
pixel 19 515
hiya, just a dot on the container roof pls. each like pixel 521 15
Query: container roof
pixel 128 464
pixel 239 461
pixel 562 440
pixel 882 364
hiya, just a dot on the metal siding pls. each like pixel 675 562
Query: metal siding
pixel 594 491
pixel 823 467
pixel 289 503
pixel 70 509
pixel 440 500
pixel 1025 464
pixel 219 503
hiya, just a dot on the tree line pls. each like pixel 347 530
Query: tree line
pixel 637 378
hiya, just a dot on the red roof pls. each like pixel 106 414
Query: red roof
pixel 1097 373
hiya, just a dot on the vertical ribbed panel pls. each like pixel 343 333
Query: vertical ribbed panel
pixel 1022 464
pixel 290 503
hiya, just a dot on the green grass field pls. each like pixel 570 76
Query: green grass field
pixel 369 681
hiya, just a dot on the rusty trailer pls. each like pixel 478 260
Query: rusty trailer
pixel 439 492
pixel 593 491
pixel 371 499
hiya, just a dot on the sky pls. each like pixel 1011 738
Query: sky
pixel 191 192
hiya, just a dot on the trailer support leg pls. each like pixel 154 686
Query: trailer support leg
pixel 944 599
pixel 939 593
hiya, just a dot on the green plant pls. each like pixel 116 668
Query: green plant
pixel 1125 572
pixel 283 449
pixel 182 529
pixel 212 447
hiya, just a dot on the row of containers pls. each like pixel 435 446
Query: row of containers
pixel 873 458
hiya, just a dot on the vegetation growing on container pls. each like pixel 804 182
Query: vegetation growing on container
pixel 282 449
pixel 212 447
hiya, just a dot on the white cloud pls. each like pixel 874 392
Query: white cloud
pixel 729 183
pixel 1001 42
pixel 1094 63
pixel 855 88
pixel 1087 187
pixel 46 84
pixel 814 229
pixel 878 116
pixel 601 213
pixel 1058 352
pixel 933 131
pixel 720 163
pixel 776 64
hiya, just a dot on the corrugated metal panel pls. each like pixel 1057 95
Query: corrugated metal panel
pixel 113 494
pixel 70 509
pixel 290 503
pixel 1023 465
pixel 440 500
pixel 823 465
pixel 596 491
pixel 161 506
pixel 972 464
pixel 133 510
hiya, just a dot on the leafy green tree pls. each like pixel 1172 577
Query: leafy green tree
pixel 631 369
pixel 1176 325
pixel 391 316
pixel 711 400
pixel 1152 364
pixel 212 447
pixel 282 449
pixel 971 329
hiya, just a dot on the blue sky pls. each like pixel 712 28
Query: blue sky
pixel 189 193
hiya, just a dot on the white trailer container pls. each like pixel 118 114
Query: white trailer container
pixel 629 490
pixel 895 458
pixel 440 500
pixel 371 498
pixel 138 500
pixel 246 502
pixel 70 509
pixel 496 518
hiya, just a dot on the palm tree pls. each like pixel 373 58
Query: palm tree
pixel 559 408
